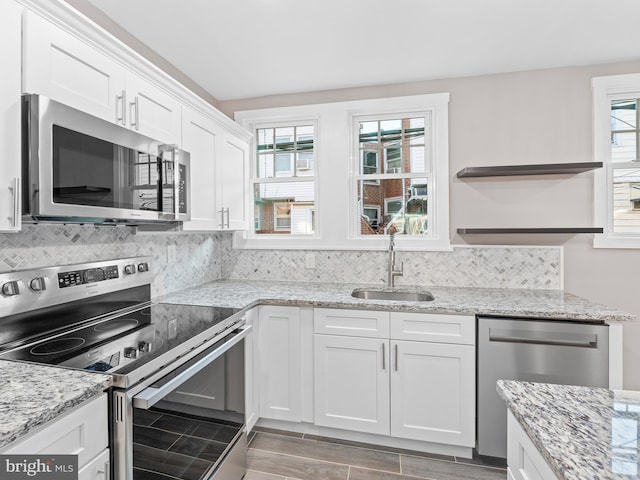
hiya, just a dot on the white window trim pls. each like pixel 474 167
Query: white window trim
pixel 335 140
pixel 604 89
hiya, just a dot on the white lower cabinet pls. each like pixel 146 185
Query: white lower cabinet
pixel 433 392
pixel 352 383
pixel 280 363
pixel 83 431
pixel 414 390
pixel 524 461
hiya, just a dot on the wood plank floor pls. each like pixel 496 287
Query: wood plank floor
pixel 278 455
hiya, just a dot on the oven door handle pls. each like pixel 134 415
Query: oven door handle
pixel 152 395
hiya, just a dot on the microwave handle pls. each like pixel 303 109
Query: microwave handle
pixel 152 395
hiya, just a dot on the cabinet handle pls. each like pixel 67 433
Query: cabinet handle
pixel 395 354
pixel 135 118
pixel 384 365
pixel 228 218
pixel 106 470
pixel 221 224
pixel 14 186
pixel 122 101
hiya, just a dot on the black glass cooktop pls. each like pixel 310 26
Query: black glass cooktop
pixel 123 342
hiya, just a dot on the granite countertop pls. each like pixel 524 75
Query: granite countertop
pixel 581 432
pixel 550 304
pixel 31 395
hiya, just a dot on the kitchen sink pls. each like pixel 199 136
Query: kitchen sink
pixel 396 294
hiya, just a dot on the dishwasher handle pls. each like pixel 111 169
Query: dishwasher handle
pixel 152 395
pixel 521 337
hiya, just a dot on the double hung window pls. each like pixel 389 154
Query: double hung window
pixel 617 146
pixel 284 184
pixel 400 188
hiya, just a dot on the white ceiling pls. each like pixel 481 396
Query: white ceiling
pixel 248 48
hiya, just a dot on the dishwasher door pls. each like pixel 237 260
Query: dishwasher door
pixel 570 353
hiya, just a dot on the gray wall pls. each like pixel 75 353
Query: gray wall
pixel 514 118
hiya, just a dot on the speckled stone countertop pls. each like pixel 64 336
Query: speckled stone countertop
pixel 551 304
pixel 31 395
pixel 582 432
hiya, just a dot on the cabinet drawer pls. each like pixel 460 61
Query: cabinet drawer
pixel 355 323
pixel 437 328
pixel 82 431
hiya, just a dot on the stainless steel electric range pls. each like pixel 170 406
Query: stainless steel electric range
pixel 177 405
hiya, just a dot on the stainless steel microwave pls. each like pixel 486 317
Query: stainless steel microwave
pixel 78 168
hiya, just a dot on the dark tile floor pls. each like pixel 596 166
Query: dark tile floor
pixel 278 455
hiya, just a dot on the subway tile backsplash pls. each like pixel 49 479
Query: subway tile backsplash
pixel 206 257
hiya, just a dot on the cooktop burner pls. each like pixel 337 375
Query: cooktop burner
pixel 58 345
pixel 117 325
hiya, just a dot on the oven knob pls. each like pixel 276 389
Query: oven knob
pixel 143 267
pixel 129 269
pixel 12 288
pixel 144 347
pixel 130 352
pixel 38 284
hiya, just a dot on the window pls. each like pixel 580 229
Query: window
pixel 401 190
pixel 347 172
pixel 284 188
pixel 616 101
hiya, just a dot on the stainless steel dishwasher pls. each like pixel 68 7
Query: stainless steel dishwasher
pixel 546 351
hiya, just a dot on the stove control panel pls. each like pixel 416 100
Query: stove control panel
pixel 25 290
pixel 90 275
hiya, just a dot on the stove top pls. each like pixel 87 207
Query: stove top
pixel 90 322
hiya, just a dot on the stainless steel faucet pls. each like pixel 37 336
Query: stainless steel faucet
pixel 392 272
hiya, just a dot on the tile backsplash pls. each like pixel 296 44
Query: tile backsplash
pixel 197 255
pixel 495 267
pixel 206 257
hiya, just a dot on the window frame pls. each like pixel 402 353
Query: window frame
pixel 604 90
pixel 335 163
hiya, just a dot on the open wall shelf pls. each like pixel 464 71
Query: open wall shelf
pixel 537 169
pixel 482 231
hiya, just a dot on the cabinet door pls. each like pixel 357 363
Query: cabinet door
pixel 61 66
pixel 151 111
pixel 201 138
pixel 97 469
pixel 233 171
pixel 523 458
pixel 433 392
pixel 352 383
pixel 82 431
pixel 280 363
pixel 10 35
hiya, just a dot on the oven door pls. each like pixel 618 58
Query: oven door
pixel 190 423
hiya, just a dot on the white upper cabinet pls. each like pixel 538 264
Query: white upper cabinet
pixel 232 186
pixel 219 166
pixel 10 209
pixel 63 67
pixel 201 137
pixel 58 65
pixel 151 111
